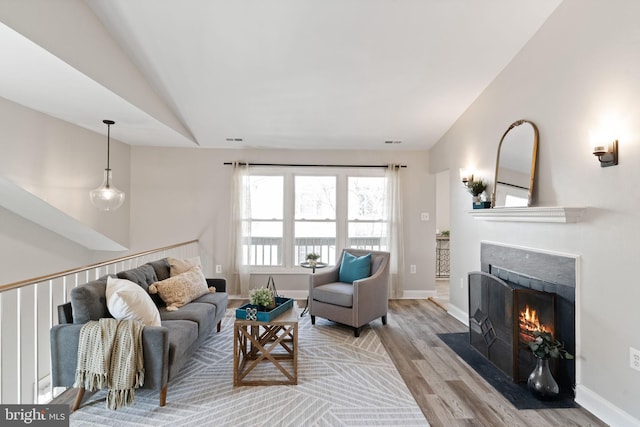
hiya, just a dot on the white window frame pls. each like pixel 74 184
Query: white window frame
pixel 342 222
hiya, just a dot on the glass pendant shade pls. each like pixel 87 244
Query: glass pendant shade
pixel 107 197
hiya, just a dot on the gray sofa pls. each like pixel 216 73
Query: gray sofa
pixel 166 348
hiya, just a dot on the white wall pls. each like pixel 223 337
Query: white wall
pixel 442 201
pixel 60 163
pixel 577 74
pixel 71 31
pixel 181 194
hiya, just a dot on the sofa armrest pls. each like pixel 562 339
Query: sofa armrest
pixel 64 340
pixel 219 284
pixel 371 295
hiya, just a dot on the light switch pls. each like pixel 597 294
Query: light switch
pixel 424 216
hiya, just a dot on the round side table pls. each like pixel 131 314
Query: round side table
pixel 313 267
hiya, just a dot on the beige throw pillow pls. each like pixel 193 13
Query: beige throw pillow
pixel 127 300
pixel 181 289
pixel 179 266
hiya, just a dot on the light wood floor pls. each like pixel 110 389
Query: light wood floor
pixel 447 390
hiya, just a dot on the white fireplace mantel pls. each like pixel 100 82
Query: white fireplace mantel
pixel 531 214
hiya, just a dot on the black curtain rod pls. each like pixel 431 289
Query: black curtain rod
pixel 314 166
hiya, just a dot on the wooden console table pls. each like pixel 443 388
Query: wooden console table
pixel 256 342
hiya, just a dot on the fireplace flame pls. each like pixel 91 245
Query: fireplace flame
pixel 530 323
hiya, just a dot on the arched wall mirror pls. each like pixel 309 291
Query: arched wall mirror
pixel 516 166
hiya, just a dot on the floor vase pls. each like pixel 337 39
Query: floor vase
pixel 541 381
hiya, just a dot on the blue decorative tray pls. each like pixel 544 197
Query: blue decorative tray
pixel 282 305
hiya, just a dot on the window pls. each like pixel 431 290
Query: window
pixel 264 221
pixel 315 217
pixel 367 228
pixel 298 211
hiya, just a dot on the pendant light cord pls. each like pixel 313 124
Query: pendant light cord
pixel 108 123
pixel 108 143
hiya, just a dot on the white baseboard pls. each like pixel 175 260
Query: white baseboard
pixel 603 409
pixel 417 294
pixel 296 294
pixel 285 293
pixel 458 314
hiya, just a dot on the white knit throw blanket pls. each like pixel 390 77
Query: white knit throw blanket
pixel 110 354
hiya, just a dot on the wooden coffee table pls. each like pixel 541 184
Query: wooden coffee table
pixel 275 341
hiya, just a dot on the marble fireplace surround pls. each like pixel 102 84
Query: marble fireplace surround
pixel 538 269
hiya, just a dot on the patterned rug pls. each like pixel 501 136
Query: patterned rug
pixel 342 381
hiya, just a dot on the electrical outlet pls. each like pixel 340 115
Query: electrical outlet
pixel 412 269
pixel 218 269
pixel 634 358
pixel 461 283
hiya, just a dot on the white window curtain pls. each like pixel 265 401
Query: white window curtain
pixel 240 228
pixel 393 216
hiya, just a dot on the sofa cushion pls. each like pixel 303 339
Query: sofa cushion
pixel 143 276
pixel 354 268
pixel 202 314
pixel 179 266
pixel 337 293
pixel 179 290
pixel 127 300
pixel 89 302
pixel 161 267
pixel 219 299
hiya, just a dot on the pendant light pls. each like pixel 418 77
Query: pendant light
pixel 107 197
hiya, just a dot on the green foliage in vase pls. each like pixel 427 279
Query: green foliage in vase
pixel 261 296
pixel 313 256
pixel 545 346
pixel 476 188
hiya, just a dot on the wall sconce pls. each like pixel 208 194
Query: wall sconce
pixel 466 177
pixel 607 154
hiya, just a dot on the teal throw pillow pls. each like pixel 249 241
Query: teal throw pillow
pixel 354 268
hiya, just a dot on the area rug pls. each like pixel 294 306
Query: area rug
pixel 518 394
pixel 342 381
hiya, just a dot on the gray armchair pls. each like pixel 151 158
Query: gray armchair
pixel 354 304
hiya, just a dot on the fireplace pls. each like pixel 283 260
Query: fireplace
pixel 502 321
pixel 507 303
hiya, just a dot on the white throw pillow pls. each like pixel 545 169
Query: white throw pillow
pixel 127 300
pixel 179 266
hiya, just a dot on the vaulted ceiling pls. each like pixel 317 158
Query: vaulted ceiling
pixel 330 74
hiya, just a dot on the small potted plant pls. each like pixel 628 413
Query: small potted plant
pixel 313 258
pixel 541 381
pixel 476 188
pixel 262 298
